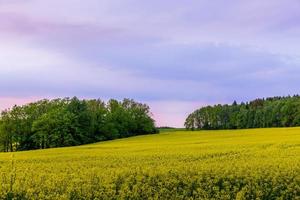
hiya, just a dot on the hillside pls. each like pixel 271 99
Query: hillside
pixel 240 164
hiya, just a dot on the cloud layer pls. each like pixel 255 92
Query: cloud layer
pixel 174 55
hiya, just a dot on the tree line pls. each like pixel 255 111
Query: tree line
pixel 259 113
pixel 70 121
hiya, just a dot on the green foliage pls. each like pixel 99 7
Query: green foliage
pixel 260 164
pixel 260 113
pixel 68 122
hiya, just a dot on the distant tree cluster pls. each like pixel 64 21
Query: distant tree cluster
pixel 68 122
pixel 165 127
pixel 260 113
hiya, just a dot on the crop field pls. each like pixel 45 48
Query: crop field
pixel 239 164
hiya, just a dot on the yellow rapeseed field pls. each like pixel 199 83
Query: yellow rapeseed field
pixel 232 164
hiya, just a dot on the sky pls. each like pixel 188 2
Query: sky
pixel 174 55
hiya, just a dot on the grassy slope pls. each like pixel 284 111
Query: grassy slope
pixel 258 163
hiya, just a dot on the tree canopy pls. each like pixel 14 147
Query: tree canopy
pixel 67 122
pixel 259 113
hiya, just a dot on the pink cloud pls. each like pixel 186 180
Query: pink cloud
pixel 172 113
pixel 25 26
pixel 8 102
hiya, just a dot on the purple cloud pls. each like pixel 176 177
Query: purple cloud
pixel 189 53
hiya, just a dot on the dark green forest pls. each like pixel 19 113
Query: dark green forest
pixel 70 121
pixel 259 113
